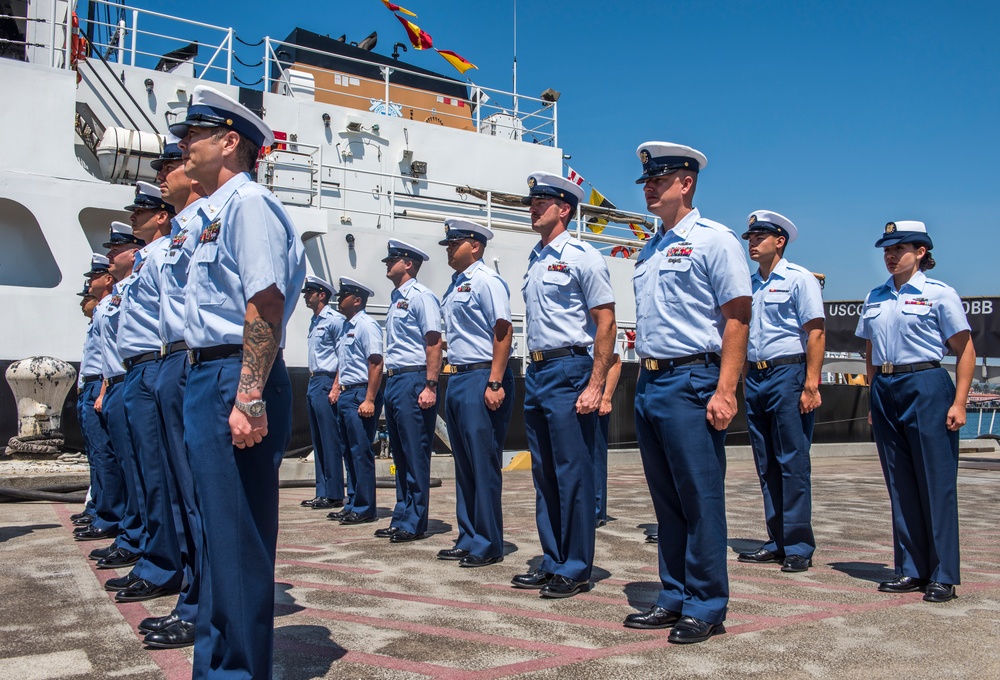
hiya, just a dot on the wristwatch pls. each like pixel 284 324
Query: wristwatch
pixel 495 385
pixel 254 409
pixel 431 384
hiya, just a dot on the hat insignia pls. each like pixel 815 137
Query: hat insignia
pixel 532 182
pixel 752 221
pixel 644 156
pixel 890 227
pixel 229 121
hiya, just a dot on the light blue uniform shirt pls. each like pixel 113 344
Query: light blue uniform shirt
pixel 325 330
pixel 682 278
pixel 565 280
pixel 139 328
pixel 911 325
pixel 476 299
pixel 184 233
pixel 789 299
pixel 247 245
pixel 90 362
pixel 107 316
pixel 414 311
pixel 362 338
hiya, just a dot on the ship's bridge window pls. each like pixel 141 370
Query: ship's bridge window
pixel 25 257
pixel 96 223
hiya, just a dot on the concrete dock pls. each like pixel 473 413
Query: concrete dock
pixel 353 606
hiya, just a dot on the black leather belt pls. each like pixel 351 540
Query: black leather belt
pixel 462 368
pixel 327 374
pixel 889 369
pixel 781 361
pixel 669 364
pixel 200 356
pixel 92 378
pixel 170 348
pixel 108 382
pixel 132 362
pixel 547 354
pixel 404 369
pixel 344 388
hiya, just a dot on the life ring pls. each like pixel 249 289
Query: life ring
pixel 621 251
pixel 78 47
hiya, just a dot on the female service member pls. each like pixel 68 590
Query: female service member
pixel 916 411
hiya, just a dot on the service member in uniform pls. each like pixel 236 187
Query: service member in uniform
pixel 692 292
pixel 357 394
pixel 604 428
pixel 569 306
pixel 325 329
pixel 158 572
pixel 413 363
pixel 784 362
pixel 910 322
pixel 480 396
pixel 176 629
pixel 245 275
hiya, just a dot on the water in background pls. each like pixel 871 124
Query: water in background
pixel 972 425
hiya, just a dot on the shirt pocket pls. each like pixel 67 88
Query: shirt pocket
pixel 915 318
pixel 208 284
pixel 674 276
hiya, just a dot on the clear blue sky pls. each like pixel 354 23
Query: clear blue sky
pixel 840 115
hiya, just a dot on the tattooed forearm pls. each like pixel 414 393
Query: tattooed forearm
pixel 261 341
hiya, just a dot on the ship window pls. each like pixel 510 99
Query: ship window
pixel 96 223
pixel 25 257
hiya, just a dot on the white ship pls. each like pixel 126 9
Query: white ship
pixel 367 148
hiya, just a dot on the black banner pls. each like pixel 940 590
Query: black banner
pixel 983 314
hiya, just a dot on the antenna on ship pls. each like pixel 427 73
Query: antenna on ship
pixel 515 58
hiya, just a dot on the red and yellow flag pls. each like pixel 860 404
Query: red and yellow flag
pixel 397 8
pixel 639 232
pixel 419 38
pixel 457 61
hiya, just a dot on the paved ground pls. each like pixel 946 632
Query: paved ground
pixel 353 606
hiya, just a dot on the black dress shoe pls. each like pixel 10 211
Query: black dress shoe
pixel 83 521
pixel 143 590
pixel 309 503
pixel 939 592
pixel 113 585
pixel 760 557
pixel 471 561
pixel 902 584
pixel 657 617
pixel 561 586
pixel 386 532
pixel 404 536
pixel 339 515
pixel 79 528
pixel 92 533
pixel 327 503
pixel 100 553
pixel 155 623
pixel 177 635
pixel 452 554
pixel 533 580
pixel 653 538
pixel 689 630
pixel 79 515
pixel 601 523
pixel 354 518
pixel 119 558
pixel 795 563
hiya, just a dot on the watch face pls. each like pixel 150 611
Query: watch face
pixel 495 385
pixel 257 409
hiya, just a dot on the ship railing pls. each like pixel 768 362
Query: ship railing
pixel 492 111
pixel 122 43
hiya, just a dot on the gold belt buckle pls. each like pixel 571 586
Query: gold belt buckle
pixel 651 364
pixel 192 357
pixel 760 365
pixel 537 356
pixel 448 369
pixel 887 367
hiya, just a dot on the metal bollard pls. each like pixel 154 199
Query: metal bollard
pixel 40 385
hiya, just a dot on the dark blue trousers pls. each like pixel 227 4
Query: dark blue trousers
pixel 358 434
pixel 170 384
pixel 237 492
pixel 684 459
pixel 780 437
pixel 477 436
pixel 601 467
pixel 411 439
pixel 107 487
pixel 161 558
pixel 919 458
pixel 563 445
pixel 131 534
pixel 328 450
pixel 90 508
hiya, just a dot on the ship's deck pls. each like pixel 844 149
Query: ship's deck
pixel 352 606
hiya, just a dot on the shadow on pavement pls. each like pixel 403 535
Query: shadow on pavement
pixel 865 571
pixel 7 533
